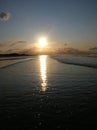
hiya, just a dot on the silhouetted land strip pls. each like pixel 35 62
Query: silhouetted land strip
pixel 13 55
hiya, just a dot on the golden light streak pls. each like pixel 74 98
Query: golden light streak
pixel 43 72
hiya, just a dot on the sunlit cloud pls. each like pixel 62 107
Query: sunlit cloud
pixel 70 50
pixel 18 42
pixel 1 44
pixel 93 49
pixel 4 16
pixel 0 51
pixel 65 44
pixel 13 46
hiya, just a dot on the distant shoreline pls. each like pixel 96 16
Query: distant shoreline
pixel 17 54
pixel 13 55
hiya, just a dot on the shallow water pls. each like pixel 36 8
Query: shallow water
pixel 44 93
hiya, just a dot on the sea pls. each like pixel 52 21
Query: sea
pixel 58 91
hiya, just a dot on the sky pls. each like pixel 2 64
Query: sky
pixel 71 23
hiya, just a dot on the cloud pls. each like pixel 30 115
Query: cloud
pixel 1 44
pixel 0 51
pixel 26 51
pixel 93 49
pixel 21 41
pixel 70 50
pixel 4 16
pixel 65 44
pixel 18 42
pixel 13 46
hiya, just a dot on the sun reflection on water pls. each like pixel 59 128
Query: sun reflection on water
pixel 43 72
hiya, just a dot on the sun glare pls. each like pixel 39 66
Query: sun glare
pixel 42 42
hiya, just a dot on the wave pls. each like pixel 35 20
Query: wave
pixel 77 60
pixel 4 63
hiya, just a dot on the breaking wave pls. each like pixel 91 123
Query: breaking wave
pixel 6 62
pixel 77 60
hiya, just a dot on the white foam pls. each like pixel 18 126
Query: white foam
pixel 77 60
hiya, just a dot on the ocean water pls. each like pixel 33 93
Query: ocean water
pixel 48 92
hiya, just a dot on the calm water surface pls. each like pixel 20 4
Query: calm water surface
pixel 44 93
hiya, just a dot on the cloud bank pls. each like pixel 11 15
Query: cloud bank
pixel 24 47
pixel 93 49
pixel 4 16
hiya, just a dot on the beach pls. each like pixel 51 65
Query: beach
pixel 42 92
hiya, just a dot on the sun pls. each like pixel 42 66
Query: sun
pixel 42 42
